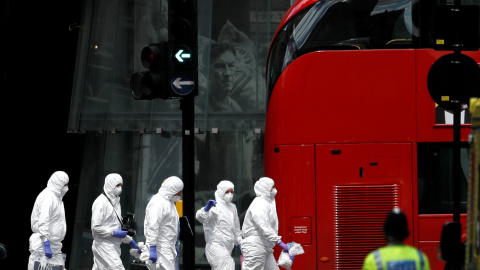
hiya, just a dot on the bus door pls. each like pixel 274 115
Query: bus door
pixel 292 167
pixel 356 186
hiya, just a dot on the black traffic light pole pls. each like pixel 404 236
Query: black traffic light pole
pixel 188 171
pixel 173 73
pixel 456 137
pixel 456 151
pixel 183 75
pixel 452 80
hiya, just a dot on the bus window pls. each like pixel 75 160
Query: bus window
pixel 435 174
pixel 342 25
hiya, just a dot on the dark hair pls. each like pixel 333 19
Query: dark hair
pixel 217 49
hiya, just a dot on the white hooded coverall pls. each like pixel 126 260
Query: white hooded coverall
pixel 106 247
pixel 48 221
pixel 161 223
pixel 222 229
pixel 260 229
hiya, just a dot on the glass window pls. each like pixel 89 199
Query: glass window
pixel 342 25
pixel 436 176
pixel 121 133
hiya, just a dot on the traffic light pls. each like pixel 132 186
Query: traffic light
pixel 173 65
pixel 183 48
pixel 154 82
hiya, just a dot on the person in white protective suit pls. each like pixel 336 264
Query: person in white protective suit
pixel 48 222
pixel 106 226
pixel 221 226
pixel 260 228
pixel 161 225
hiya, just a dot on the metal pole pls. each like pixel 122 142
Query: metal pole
pixel 456 143
pixel 456 163
pixel 188 171
pixel 456 178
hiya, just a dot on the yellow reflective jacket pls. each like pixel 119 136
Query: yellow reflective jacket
pixel 396 257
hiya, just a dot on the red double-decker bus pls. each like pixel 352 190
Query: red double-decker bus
pixel 352 131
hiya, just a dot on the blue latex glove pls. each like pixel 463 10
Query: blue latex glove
pixel 292 257
pixel 48 250
pixel 178 251
pixel 283 246
pixel 240 246
pixel 119 233
pixel 153 254
pixel 134 244
pixel 209 205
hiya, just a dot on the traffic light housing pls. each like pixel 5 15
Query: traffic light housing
pixel 183 48
pixel 154 82
pixel 173 65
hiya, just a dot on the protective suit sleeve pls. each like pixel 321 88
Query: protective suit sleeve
pixel 203 216
pixel 43 224
pixel 260 218
pixel 153 215
pixel 127 239
pixel 238 231
pixel 99 210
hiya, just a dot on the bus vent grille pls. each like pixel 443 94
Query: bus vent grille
pixel 359 214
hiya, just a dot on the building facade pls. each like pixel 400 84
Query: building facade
pixel 141 139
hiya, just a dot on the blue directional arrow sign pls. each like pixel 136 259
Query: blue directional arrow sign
pixel 182 83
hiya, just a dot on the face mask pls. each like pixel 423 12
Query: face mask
pixel 64 190
pixel 117 191
pixel 273 192
pixel 228 197
pixel 176 198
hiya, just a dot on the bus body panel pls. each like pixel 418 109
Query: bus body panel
pixel 398 93
pixel 429 232
pixel 357 185
pixel 339 107
pixel 295 166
